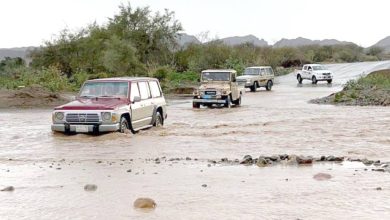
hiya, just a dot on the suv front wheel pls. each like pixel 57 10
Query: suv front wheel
pixel 314 80
pixel 268 87
pixel 124 125
pixel 254 87
pixel 228 103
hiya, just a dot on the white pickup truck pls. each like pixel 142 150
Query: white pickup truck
pixel 315 73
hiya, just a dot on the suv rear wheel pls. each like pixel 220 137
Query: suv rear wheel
pixel 159 120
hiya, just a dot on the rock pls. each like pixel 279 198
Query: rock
pixel 247 160
pixel 379 170
pixel 330 158
pixel 224 160
pixel 304 160
pixel 322 176
pixel 157 161
pixel 90 187
pixel 322 158
pixel 129 170
pixel 204 185
pixel 209 165
pixel 273 158
pixel 292 160
pixel 8 189
pixel 261 162
pixel 283 156
pixel 188 158
pixel 367 162
pixel 378 188
pixel 144 203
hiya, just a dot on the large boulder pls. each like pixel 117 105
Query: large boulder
pixel 322 176
pixel 247 160
pixel 144 203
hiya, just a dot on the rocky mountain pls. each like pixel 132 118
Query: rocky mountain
pixel 237 40
pixel 186 39
pixel 300 41
pixel 384 43
pixel 15 52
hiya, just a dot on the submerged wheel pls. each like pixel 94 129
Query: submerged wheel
pixel 159 120
pixel 254 87
pixel 329 81
pixel 314 80
pixel 195 105
pixel 124 125
pixel 237 102
pixel 299 78
pixel 228 103
pixel 268 87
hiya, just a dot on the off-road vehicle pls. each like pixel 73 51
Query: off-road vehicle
pixel 257 76
pixel 113 104
pixel 315 73
pixel 218 87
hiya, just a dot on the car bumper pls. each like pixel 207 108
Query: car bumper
pixel 324 78
pixel 210 101
pixel 91 127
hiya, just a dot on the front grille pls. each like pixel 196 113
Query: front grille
pixel 326 74
pixel 210 92
pixel 82 117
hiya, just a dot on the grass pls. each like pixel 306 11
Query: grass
pixel 374 89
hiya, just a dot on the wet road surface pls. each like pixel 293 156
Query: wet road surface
pixel 49 170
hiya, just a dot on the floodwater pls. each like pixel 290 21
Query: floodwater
pixel 49 170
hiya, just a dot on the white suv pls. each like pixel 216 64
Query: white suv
pixel 315 73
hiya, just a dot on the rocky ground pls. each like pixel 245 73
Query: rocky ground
pixel 32 97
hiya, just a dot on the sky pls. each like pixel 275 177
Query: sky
pixel 364 22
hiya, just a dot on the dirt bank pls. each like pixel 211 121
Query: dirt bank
pixel 373 89
pixel 31 97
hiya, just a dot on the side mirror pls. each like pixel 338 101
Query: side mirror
pixel 136 99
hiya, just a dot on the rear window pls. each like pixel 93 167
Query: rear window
pixel 155 89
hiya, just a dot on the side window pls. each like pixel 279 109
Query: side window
pixel 262 73
pixel 305 68
pixel 154 89
pixel 271 71
pixel 134 91
pixel 144 90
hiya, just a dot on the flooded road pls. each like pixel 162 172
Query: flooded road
pixel 50 170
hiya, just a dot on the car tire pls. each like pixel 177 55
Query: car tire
pixel 268 87
pixel 299 78
pixel 254 87
pixel 329 81
pixel 159 122
pixel 228 103
pixel 237 102
pixel 123 125
pixel 314 80
pixel 195 105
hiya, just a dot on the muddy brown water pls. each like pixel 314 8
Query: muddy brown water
pixel 49 170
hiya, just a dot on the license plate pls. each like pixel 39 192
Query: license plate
pixel 207 96
pixel 82 128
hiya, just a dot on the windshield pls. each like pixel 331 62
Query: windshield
pixel 252 71
pixel 216 76
pixel 319 68
pixel 104 89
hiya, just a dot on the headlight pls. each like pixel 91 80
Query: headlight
pixel 106 116
pixel 196 92
pixel 248 80
pixel 58 116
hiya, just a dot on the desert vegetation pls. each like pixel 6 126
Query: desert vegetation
pixel 138 42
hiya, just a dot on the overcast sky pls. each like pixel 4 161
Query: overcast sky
pixel 29 23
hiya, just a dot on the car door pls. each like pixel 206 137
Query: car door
pixel 234 87
pixel 263 73
pixel 305 72
pixel 147 107
pixel 135 108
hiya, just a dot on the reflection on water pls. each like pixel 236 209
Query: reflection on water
pixel 49 170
